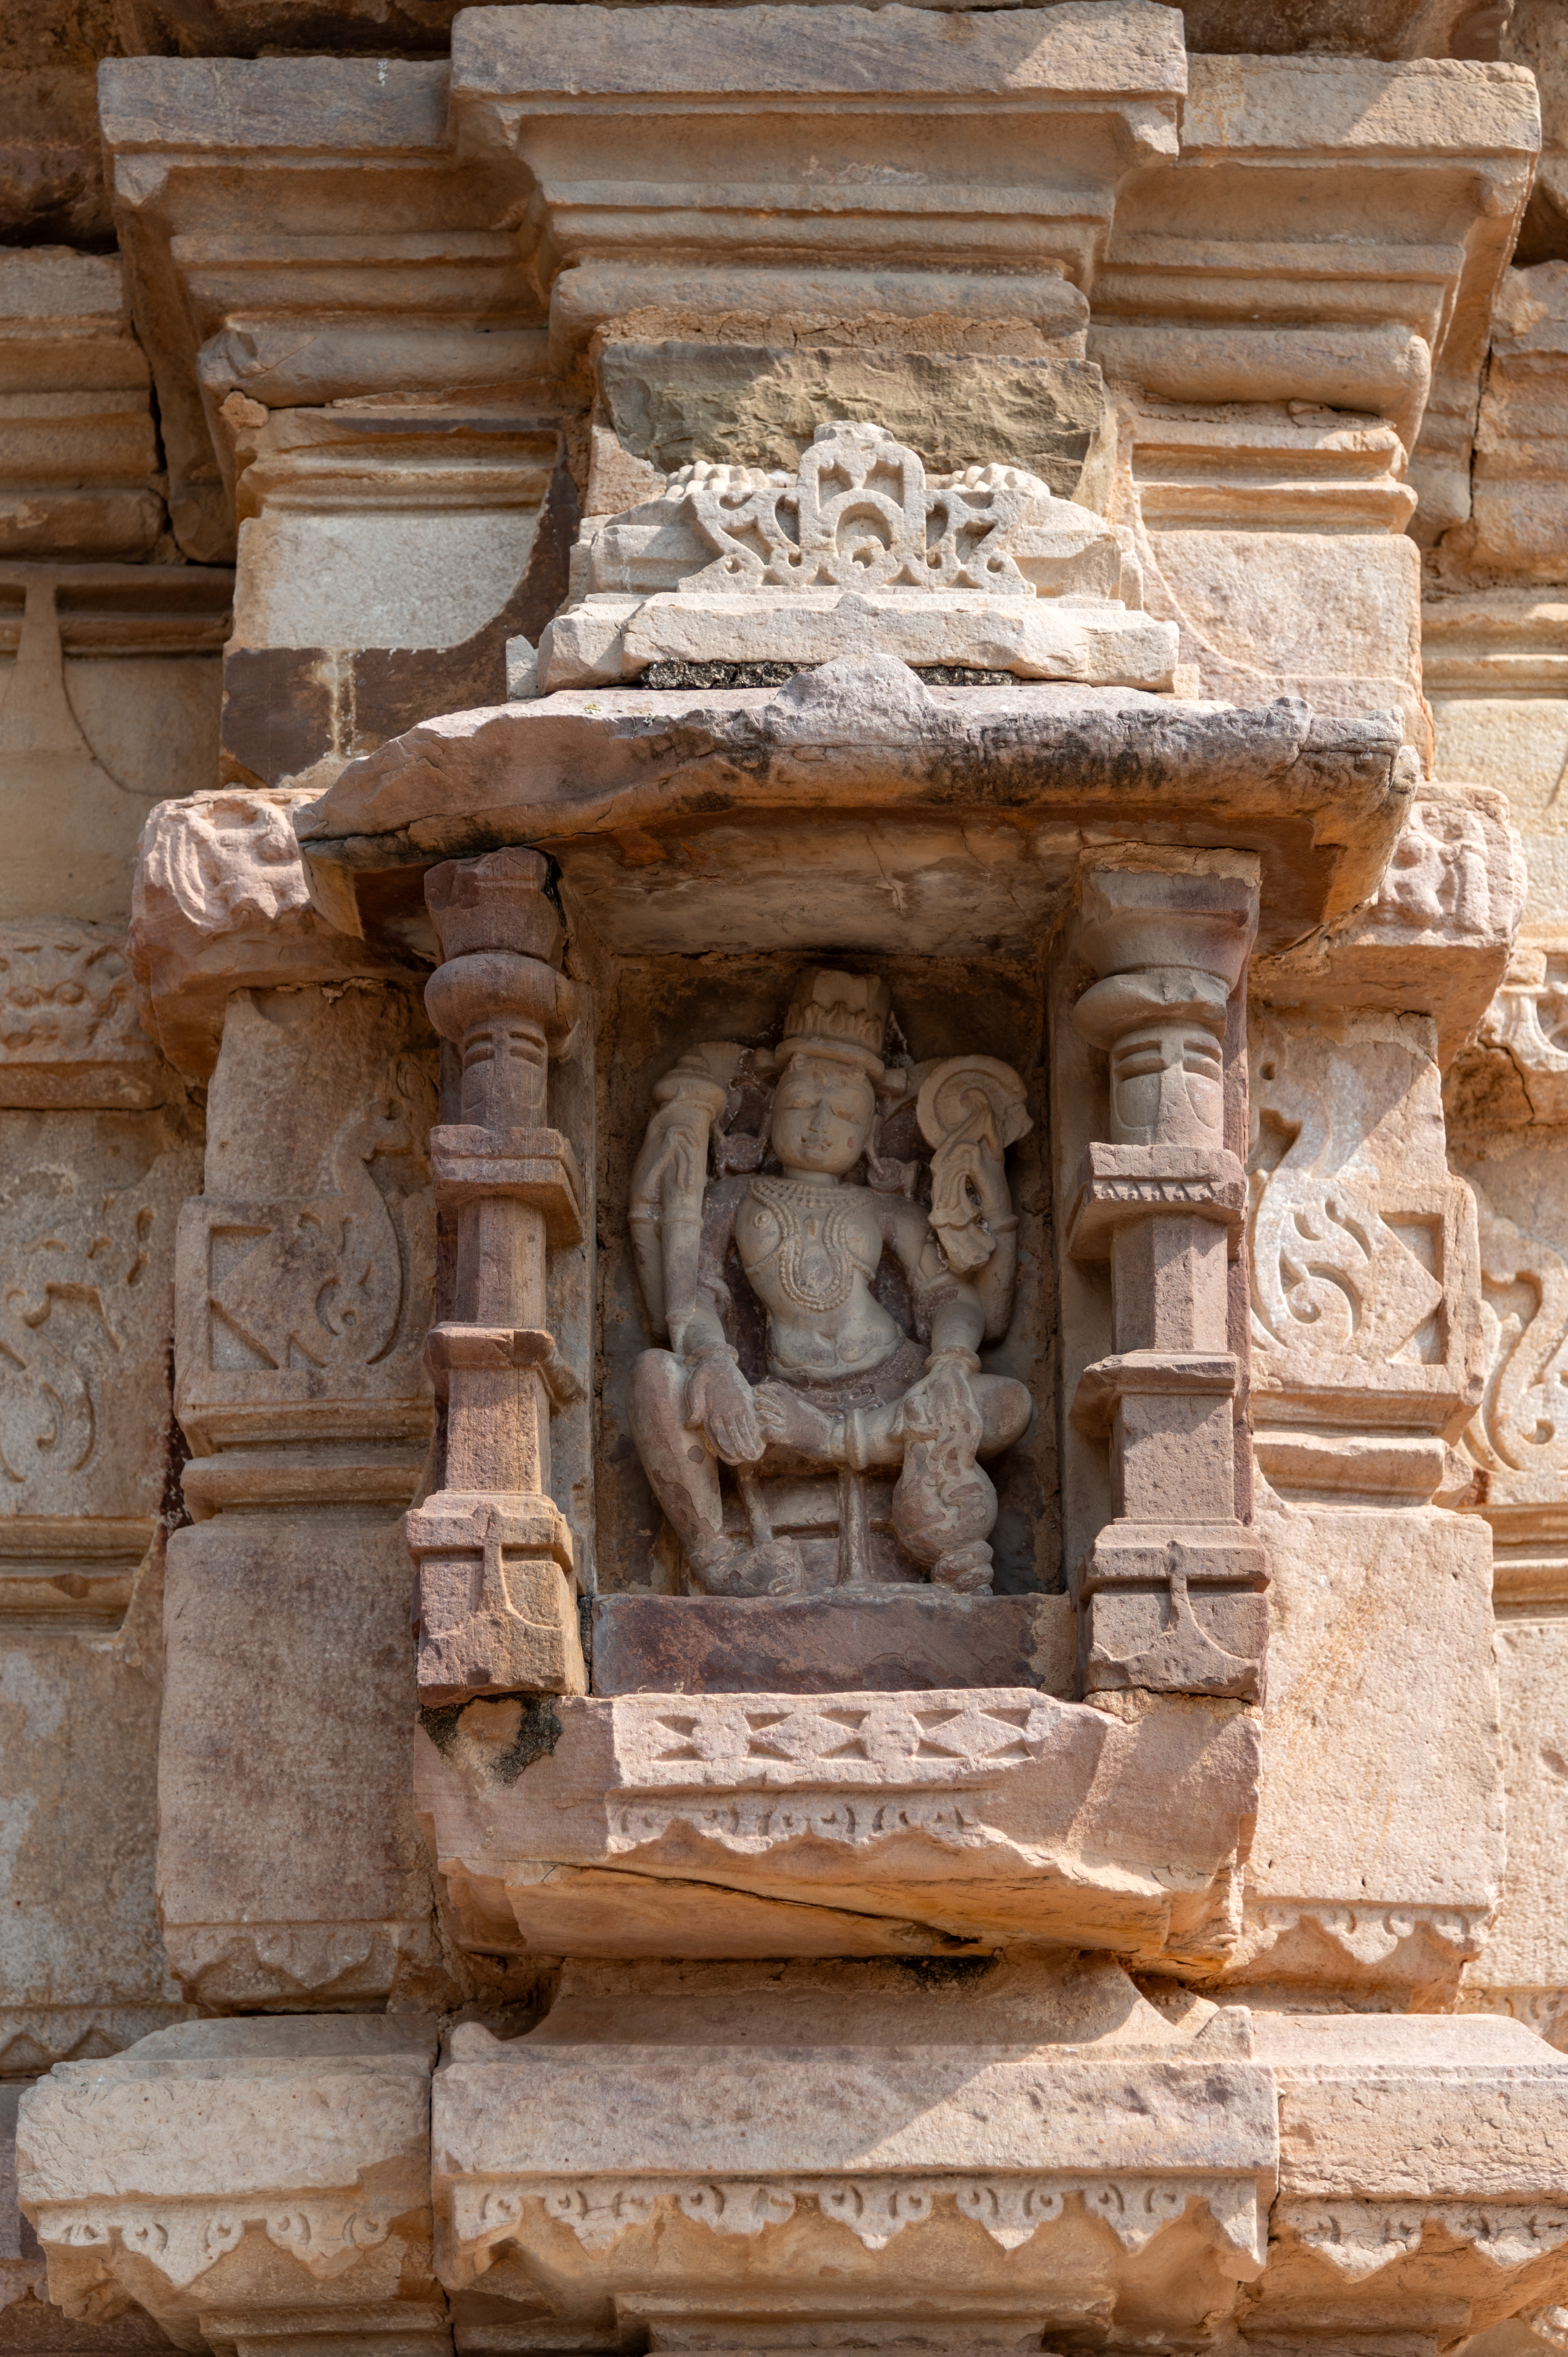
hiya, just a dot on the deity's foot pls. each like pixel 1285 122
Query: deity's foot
pixel 731 1567
pixel 965 1569
pixel 791 1422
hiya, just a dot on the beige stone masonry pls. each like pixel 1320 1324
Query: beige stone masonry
pixel 859 1824
pixel 1384 306
pixel 288 2190
pixel 659 105
pixel 79 478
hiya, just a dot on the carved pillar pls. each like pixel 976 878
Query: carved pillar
pixel 1169 1593
pixel 497 1588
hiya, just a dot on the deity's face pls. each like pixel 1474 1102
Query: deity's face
pixel 822 1113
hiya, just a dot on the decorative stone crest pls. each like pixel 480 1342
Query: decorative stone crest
pixel 855 1425
pixel 858 551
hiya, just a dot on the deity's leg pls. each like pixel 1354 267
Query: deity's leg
pixel 684 1478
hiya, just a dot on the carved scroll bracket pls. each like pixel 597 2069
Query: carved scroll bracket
pixel 1169 1594
pixel 498 1598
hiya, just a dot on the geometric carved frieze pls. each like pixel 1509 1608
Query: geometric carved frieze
pixel 968 1812
pixel 875 2208
pixel 619 2142
pixel 1360 2237
pixel 162 2174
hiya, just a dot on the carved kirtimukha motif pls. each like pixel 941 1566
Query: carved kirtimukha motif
pixel 861 1414
pixel 858 551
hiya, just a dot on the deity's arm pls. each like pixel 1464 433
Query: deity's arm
pixel 669 1182
pixel 954 1306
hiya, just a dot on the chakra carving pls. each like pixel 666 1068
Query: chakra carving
pixel 863 1413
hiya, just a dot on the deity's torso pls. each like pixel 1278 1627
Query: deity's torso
pixel 809 1251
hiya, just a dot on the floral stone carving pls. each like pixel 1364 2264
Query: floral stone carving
pixel 858 551
pixel 867 1428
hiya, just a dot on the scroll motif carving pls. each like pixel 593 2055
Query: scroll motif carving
pixel 1520 1434
pixel 1365 1309
pixel 1529 1020
pixel 326 1286
pixel 84 1257
pixel 861 512
pixel 855 1436
pixel 1360 2237
pixel 874 2209
pixel 324 1296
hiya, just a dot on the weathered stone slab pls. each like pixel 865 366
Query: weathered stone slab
pixel 907 1641
pixel 288 2172
pixel 1321 801
pixel 963 1817
pixel 885 2151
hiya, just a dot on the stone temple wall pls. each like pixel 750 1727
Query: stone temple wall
pixel 783 1205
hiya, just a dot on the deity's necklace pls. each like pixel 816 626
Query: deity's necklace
pixel 815 1254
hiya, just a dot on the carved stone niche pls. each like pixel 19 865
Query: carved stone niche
pixel 810 944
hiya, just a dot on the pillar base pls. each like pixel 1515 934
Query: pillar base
pixel 498 1605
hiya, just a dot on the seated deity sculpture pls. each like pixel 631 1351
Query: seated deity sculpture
pixel 821 1414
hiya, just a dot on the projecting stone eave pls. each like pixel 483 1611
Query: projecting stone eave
pixel 1044 768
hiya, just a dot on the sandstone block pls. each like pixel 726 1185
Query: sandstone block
pixel 974 1814
pixel 290 1868
pixel 1420 2159
pixel 656 2117
pixel 901 1640
pixel 670 402
pixel 1396 1736
pixel 567 768
pixel 291 2175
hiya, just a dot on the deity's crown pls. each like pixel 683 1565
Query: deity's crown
pixel 841 1016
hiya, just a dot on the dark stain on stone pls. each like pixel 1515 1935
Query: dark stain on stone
pixel 539 1732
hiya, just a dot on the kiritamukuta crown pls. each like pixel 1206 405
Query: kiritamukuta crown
pixel 840 1016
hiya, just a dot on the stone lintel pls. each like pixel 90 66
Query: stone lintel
pixel 849 745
